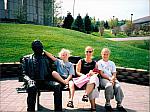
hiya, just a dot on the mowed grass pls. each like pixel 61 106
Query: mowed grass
pixel 16 42
pixel 143 44
pixel 108 34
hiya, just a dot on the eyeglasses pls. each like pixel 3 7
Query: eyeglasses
pixel 89 51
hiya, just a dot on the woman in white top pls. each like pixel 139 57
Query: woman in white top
pixel 109 81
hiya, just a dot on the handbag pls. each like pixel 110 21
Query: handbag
pixel 80 81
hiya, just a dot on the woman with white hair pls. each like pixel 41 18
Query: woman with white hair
pixel 65 70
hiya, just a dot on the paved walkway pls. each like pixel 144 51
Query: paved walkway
pixel 129 38
pixel 136 98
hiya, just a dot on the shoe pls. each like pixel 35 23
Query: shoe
pixel 108 108
pixel 93 109
pixel 120 108
pixel 66 87
pixel 85 98
pixel 70 104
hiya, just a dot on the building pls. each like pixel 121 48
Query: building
pixel 138 23
pixel 142 20
pixel 27 11
pixel 142 23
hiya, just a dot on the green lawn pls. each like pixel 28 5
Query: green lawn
pixel 108 34
pixel 16 41
pixel 143 44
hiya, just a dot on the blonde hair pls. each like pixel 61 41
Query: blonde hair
pixel 68 52
pixel 89 47
pixel 106 49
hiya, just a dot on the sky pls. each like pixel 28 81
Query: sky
pixel 106 9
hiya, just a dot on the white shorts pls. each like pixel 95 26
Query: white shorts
pixel 95 93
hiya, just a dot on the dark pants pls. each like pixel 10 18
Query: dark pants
pixel 52 85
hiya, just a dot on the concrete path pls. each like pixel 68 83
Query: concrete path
pixel 136 99
pixel 129 38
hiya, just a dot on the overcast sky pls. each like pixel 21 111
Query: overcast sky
pixel 106 9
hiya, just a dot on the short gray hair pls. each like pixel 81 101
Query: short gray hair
pixel 106 49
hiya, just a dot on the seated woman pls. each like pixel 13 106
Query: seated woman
pixel 109 81
pixel 85 66
pixel 65 70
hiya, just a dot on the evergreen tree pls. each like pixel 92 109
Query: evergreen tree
pixel 78 23
pixel 106 25
pixel 97 25
pixel 87 24
pixel 68 21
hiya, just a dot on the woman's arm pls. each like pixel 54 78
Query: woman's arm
pixel 78 68
pixel 50 55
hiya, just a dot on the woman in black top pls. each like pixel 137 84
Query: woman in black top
pixel 83 67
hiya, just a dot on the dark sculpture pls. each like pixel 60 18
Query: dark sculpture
pixel 36 70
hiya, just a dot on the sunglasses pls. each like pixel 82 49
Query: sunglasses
pixel 89 51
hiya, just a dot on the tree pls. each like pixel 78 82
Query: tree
pixel 97 25
pixel 113 23
pixel 78 23
pixel 57 12
pixel 128 29
pixel 68 21
pixel 101 28
pixel 106 26
pixel 87 24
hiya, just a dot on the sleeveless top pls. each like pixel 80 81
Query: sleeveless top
pixel 86 67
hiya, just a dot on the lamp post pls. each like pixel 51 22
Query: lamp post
pixel 131 18
pixel 113 17
pixel 113 22
pixel 131 23
pixel 73 7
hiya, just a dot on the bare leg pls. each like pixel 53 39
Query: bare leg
pixel 71 94
pixel 93 105
pixel 58 77
pixel 89 88
pixel 71 91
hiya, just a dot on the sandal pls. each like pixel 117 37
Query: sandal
pixel 85 98
pixel 70 104
pixel 66 87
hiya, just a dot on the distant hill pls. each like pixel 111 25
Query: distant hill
pixel 16 41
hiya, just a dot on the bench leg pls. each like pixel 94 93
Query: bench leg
pixel 38 98
pixel 58 100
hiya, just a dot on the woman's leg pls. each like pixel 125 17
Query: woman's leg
pixel 58 77
pixel 93 105
pixel 92 84
pixel 92 90
pixel 109 93
pixel 118 92
pixel 89 88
